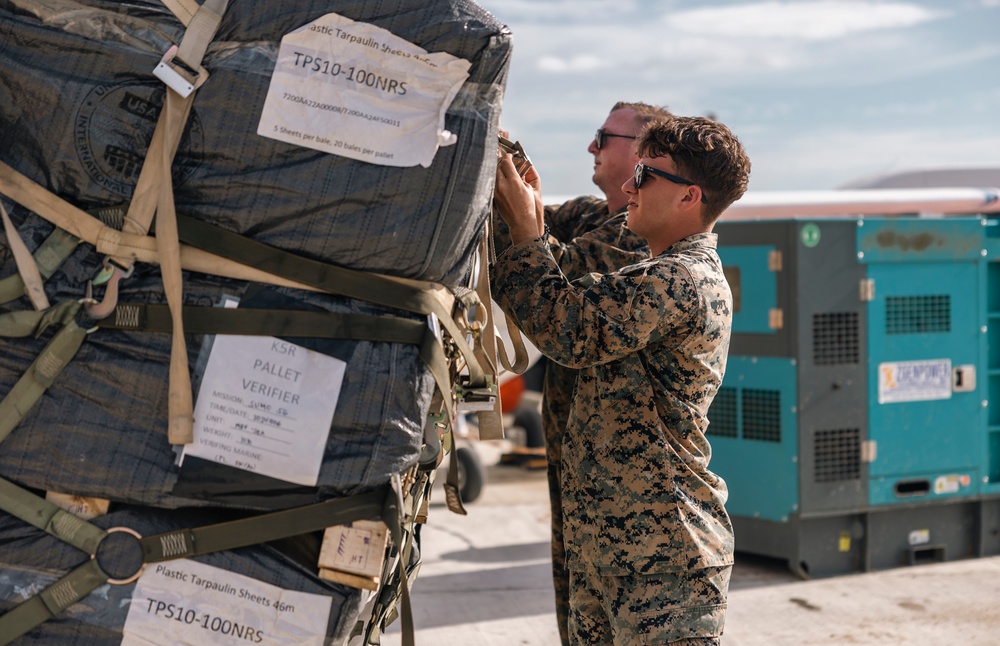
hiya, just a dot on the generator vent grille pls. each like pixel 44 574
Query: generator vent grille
pixel 917 314
pixel 762 415
pixel 722 414
pixel 835 338
pixel 838 455
pixel 757 412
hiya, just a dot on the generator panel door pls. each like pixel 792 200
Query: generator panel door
pixel 925 413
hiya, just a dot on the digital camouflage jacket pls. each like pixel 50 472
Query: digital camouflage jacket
pixel 587 239
pixel 650 341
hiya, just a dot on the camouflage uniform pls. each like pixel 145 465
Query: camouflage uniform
pixel 641 511
pixel 601 243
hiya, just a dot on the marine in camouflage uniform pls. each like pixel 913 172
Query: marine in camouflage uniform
pixel 596 242
pixel 577 227
pixel 649 545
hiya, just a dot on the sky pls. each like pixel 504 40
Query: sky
pixel 820 92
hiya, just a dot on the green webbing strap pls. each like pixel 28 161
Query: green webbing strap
pixel 31 323
pixel 266 527
pixel 46 367
pixel 391 595
pixel 330 278
pixel 392 516
pixel 267 322
pixel 290 323
pixel 51 601
pixel 380 503
pixel 48 256
pixel 68 528
pixel 49 517
pixel 433 355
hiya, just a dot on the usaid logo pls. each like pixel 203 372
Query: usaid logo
pixel 112 130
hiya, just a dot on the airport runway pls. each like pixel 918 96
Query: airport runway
pixel 485 582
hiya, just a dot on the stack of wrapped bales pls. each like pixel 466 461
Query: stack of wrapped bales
pixel 78 106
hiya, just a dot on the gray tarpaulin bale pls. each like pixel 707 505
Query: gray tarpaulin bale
pixel 78 106
pixel 77 109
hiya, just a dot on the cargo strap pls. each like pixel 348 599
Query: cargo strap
pixel 410 295
pixel 286 269
pixel 384 503
pixel 26 268
pixel 397 587
pixel 286 323
pixel 199 320
pixel 47 257
pixel 182 73
pixel 47 365
pixel 180 61
pixel 184 10
pixel 146 317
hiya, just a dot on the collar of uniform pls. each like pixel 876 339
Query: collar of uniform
pixel 697 241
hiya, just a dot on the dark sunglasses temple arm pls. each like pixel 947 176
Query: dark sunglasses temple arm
pixel 642 169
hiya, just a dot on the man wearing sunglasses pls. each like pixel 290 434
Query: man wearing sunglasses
pixel 649 546
pixel 588 234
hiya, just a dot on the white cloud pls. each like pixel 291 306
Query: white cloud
pixel 906 84
pixel 563 12
pixel 658 51
pixel 580 63
pixel 805 20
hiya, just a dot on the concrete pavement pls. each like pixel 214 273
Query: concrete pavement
pixel 485 580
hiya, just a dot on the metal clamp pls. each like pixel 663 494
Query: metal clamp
pixel 178 76
pixel 521 161
pixel 475 400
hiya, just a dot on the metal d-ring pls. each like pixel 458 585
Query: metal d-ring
pixel 138 573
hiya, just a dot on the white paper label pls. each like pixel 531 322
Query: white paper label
pixel 356 90
pixel 187 603
pixel 951 483
pixel 265 405
pixel 907 381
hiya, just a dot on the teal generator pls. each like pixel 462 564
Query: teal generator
pixel 858 424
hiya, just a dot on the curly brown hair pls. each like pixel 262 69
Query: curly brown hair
pixel 705 152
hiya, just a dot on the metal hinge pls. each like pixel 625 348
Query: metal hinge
pixel 776 318
pixel 869 451
pixel 774 260
pixel 866 290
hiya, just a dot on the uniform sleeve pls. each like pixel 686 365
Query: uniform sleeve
pixel 566 221
pixel 598 318
pixel 607 248
pixel 575 217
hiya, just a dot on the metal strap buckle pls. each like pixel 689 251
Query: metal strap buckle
pixel 514 148
pixel 178 76
pixel 475 400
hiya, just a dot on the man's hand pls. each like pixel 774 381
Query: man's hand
pixel 535 182
pixel 517 201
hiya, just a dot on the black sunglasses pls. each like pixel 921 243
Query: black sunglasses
pixel 640 176
pixel 600 136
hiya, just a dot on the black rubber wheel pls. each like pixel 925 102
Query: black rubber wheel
pixel 531 421
pixel 471 475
